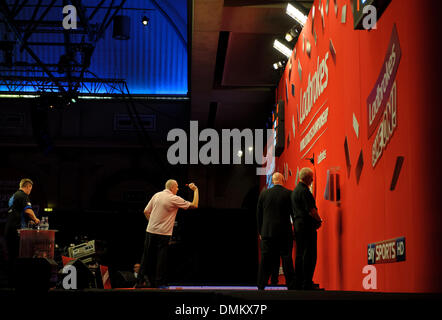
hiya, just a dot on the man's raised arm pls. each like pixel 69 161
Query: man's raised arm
pixel 195 201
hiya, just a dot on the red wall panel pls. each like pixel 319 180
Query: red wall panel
pixel 369 211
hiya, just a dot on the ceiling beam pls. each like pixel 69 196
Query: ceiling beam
pixel 10 22
pixel 267 3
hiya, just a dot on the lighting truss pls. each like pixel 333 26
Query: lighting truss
pixel 95 86
pixel 20 19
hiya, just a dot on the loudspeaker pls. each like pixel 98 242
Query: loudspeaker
pixel 123 279
pixel 332 187
pixel 34 274
pixel 85 277
pixel 338 187
pixel 121 29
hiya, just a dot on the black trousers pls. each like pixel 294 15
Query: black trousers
pixel 306 253
pixel 272 249
pixel 154 260
pixel 12 242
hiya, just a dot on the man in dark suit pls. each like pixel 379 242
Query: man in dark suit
pixel 306 221
pixel 275 231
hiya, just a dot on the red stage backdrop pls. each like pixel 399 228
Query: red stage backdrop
pixel 364 103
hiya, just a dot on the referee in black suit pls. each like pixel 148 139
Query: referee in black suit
pixel 275 231
pixel 306 221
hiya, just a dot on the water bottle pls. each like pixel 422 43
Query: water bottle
pixel 44 223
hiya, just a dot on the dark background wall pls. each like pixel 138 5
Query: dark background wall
pixel 98 179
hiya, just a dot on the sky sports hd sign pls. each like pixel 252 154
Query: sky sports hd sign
pixel 387 251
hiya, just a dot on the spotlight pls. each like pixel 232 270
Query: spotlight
pixel 282 48
pixel 145 21
pixel 296 14
pixel 73 98
pixel 278 65
pixel 293 33
pixel 288 37
pixel 239 154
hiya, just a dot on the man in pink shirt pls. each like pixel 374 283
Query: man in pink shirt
pixel 161 212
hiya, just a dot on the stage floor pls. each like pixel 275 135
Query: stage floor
pixel 229 302
pixel 236 288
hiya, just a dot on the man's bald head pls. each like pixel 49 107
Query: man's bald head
pixel 172 185
pixel 278 178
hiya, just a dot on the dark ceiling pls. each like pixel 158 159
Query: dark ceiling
pixel 232 78
pixel 107 48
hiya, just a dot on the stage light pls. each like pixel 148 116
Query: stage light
pixel 293 33
pixel 282 48
pixel 250 149
pixel 296 14
pixel 48 209
pixel 239 154
pixel 279 64
pixel 19 96
pixel 288 37
pixel 72 97
pixel 145 20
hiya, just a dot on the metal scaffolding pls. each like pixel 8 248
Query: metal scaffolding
pixel 93 86
pixel 20 19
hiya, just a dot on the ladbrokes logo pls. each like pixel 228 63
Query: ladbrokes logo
pixel 217 149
